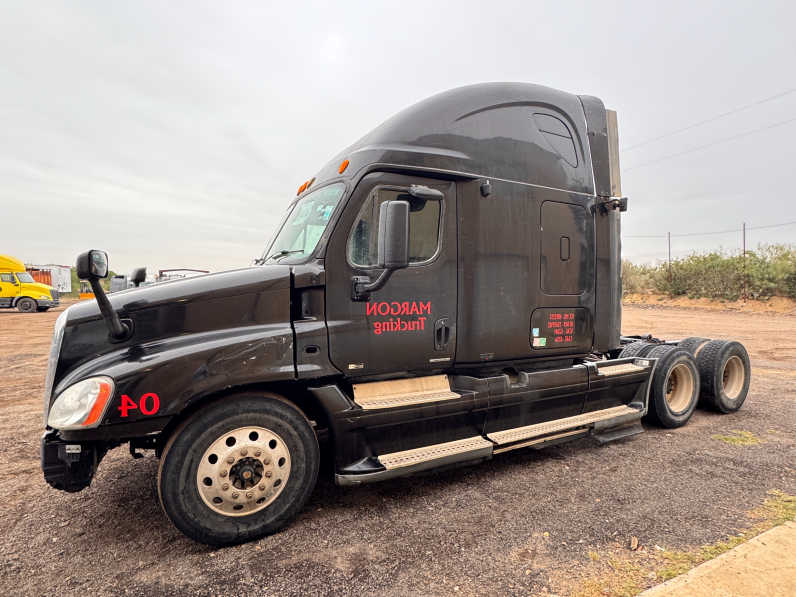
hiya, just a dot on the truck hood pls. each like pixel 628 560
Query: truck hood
pixel 210 287
pixel 35 289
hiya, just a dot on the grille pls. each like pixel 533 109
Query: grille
pixel 54 294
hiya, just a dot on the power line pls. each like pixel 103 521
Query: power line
pixel 719 232
pixel 768 99
pixel 709 145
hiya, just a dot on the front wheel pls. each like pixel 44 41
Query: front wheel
pixel 238 470
pixel 26 305
pixel 42 309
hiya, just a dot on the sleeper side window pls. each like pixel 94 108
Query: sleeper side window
pixel 424 224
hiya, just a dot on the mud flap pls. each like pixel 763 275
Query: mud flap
pixel 603 436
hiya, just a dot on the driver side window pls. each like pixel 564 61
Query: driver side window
pixel 9 278
pixel 424 227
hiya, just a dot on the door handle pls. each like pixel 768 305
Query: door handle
pixel 442 333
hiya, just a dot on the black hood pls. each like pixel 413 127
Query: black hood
pixel 252 280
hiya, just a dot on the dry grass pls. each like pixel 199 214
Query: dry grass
pixel 630 576
pixel 739 438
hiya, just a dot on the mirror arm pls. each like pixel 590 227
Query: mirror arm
pixel 117 329
pixel 361 286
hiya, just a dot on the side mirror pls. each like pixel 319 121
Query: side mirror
pixel 393 251
pixel 92 265
pixel 138 276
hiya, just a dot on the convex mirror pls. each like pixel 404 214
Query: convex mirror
pixel 92 265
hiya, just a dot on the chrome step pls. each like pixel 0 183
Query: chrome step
pixel 619 369
pixel 521 433
pixel 403 392
pixel 477 445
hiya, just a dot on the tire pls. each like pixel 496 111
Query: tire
pixel 274 445
pixel 693 345
pixel 26 305
pixel 42 309
pixel 636 349
pixel 725 373
pixel 675 386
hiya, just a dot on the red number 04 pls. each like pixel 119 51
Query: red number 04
pixel 128 404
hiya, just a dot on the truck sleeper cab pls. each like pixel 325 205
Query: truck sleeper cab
pixel 446 289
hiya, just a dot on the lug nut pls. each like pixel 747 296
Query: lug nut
pixel 268 474
pixel 257 453
pixel 262 488
pixel 267 461
pixel 244 452
pixel 223 473
pixel 249 494
pixel 230 460
pixel 225 486
pixel 235 495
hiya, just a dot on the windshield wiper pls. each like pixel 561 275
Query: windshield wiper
pixel 283 253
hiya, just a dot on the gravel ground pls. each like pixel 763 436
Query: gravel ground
pixel 521 524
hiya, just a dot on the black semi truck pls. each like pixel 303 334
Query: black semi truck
pixel 445 289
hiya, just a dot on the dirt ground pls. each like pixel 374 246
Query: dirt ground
pixel 526 523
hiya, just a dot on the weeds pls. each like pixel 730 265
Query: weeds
pixel 770 271
pixel 739 438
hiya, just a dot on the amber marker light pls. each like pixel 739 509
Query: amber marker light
pixel 99 404
pixel 303 188
pixel 343 166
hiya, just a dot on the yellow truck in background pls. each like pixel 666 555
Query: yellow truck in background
pixel 19 289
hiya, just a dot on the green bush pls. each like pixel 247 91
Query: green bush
pixel 770 270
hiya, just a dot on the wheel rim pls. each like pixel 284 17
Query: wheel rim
pixel 243 471
pixel 733 376
pixel 679 388
pixel 26 306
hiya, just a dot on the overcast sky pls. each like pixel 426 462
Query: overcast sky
pixel 173 134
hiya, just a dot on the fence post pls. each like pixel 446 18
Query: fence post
pixel 744 263
pixel 670 261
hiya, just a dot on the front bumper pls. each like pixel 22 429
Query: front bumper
pixel 69 466
pixel 48 302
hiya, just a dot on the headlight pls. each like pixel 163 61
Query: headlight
pixel 82 405
pixel 45 296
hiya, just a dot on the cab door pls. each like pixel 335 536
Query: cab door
pixel 9 288
pixel 410 323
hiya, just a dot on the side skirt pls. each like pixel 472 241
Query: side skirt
pixel 605 426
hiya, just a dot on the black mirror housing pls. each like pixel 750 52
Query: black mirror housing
pixel 394 235
pixel 92 265
pixel 138 276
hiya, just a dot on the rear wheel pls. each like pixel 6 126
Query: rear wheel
pixel 675 386
pixel 636 349
pixel 26 305
pixel 725 372
pixel 238 470
pixel 693 345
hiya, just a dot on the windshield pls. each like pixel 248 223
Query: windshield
pixel 304 225
pixel 25 277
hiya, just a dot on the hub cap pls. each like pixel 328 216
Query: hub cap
pixel 243 471
pixel 679 388
pixel 733 377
